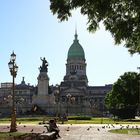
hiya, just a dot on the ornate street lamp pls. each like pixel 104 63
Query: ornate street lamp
pixel 68 101
pixel 13 70
pixel 139 93
pixel 57 100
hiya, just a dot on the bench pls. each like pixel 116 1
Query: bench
pixel 48 136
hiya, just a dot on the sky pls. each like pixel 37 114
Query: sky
pixel 28 28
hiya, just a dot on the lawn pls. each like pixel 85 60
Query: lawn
pixel 24 120
pixel 5 135
pixel 18 135
pixel 103 121
pixel 126 131
pixel 93 120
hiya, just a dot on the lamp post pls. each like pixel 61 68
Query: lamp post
pixel 13 70
pixel 68 100
pixel 139 92
pixel 57 100
pixel 19 102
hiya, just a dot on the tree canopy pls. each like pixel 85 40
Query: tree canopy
pixel 125 92
pixel 120 17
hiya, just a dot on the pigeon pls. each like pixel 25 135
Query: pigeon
pixel 137 128
pixel 121 127
pixel 68 129
pixel 113 126
pixel 88 128
pixel 103 127
pixel 127 126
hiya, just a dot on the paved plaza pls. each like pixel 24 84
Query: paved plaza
pixel 93 132
pixel 79 131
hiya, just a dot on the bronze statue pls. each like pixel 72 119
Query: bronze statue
pixel 44 67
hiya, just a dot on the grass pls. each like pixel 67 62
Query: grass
pixel 24 120
pixel 103 121
pixel 17 135
pixel 5 135
pixel 93 120
pixel 126 131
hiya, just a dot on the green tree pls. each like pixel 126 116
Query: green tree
pixel 120 17
pixel 124 96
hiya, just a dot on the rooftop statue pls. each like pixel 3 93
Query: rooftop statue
pixel 44 67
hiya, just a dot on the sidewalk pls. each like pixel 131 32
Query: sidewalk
pixel 93 132
pixel 78 131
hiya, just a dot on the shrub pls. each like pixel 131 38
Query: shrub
pixel 79 118
pixel 124 113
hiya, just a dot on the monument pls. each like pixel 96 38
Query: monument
pixel 42 98
pixel 43 79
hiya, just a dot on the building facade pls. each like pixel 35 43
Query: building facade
pixel 23 97
pixel 72 96
pixel 74 90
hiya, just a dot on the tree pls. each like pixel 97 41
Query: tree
pixel 123 99
pixel 120 17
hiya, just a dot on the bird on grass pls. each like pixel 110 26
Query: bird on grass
pixel 127 126
pixel 122 127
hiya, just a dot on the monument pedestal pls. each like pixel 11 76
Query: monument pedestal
pixel 43 100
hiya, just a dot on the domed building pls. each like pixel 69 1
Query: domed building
pixel 76 65
pixel 75 94
pixel 72 97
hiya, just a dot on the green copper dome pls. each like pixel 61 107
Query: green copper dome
pixel 76 50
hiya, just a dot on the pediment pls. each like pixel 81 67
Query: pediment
pixel 73 91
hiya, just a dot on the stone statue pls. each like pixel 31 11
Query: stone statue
pixel 44 67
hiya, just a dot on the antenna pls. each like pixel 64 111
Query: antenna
pixel 76 36
pixel 75 28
